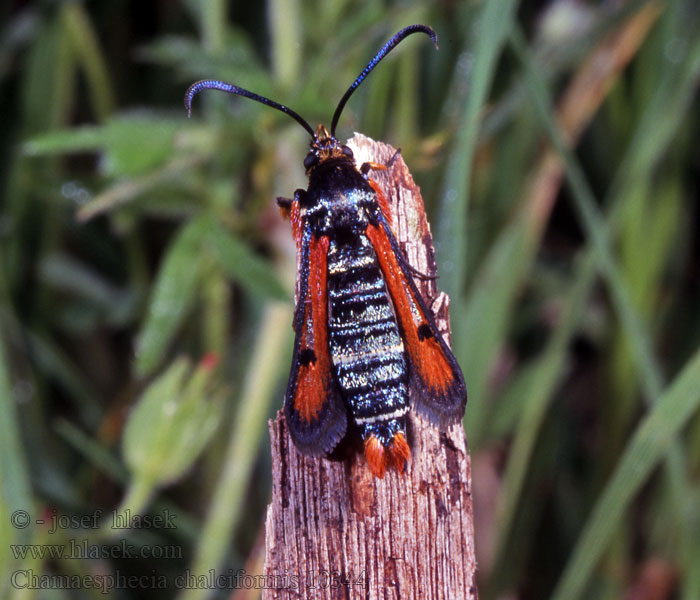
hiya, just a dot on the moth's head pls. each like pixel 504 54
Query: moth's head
pixel 324 147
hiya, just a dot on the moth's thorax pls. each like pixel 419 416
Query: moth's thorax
pixel 339 202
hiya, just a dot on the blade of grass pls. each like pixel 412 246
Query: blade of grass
pixel 213 24
pixel 247 428
pixel 52 360
pixel 273 342
pixel 640 161
pixel 284 27
pixel 580 102
pixel 592 222
pixel 609 18
pixel 497 292
pixel 591 218
pixel 536 401
pixel 94 452
pixel 14 476
pixel 88 54
pixel 485 316
pixel 494 22
pixel 643 453
pixel 130 189
pixel 651 225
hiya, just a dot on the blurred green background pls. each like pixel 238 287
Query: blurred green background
pixel 146 276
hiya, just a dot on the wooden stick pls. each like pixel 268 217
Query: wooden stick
pixel 335 531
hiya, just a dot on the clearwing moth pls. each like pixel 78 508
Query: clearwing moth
pixel 365 335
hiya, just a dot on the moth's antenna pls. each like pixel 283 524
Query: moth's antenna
pixel 213 84
pixel 386 48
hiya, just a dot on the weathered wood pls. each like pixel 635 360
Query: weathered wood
pixel 335 531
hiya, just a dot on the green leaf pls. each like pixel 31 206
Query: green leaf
pixel 169 427
pixel 243 265
pixel 132 144
pixel 78 139
pixel 174 294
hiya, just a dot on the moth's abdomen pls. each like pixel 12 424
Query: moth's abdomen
pixel 367 351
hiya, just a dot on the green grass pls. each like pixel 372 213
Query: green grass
pixel 132 238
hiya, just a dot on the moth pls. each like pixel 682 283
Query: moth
pixel 364 336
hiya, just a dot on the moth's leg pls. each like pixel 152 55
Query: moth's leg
pixel 366 167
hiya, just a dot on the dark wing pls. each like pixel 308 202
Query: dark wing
pixel 313 407
pixel 436 380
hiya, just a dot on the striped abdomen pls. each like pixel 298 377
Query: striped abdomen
pixel 365 345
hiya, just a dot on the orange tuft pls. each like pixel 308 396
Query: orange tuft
pixel 379 458
pixel 376 457
pixel 399 452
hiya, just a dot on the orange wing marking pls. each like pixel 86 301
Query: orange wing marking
pixel 427 356
pixel 314 379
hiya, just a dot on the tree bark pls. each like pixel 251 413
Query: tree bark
pixel 335 531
